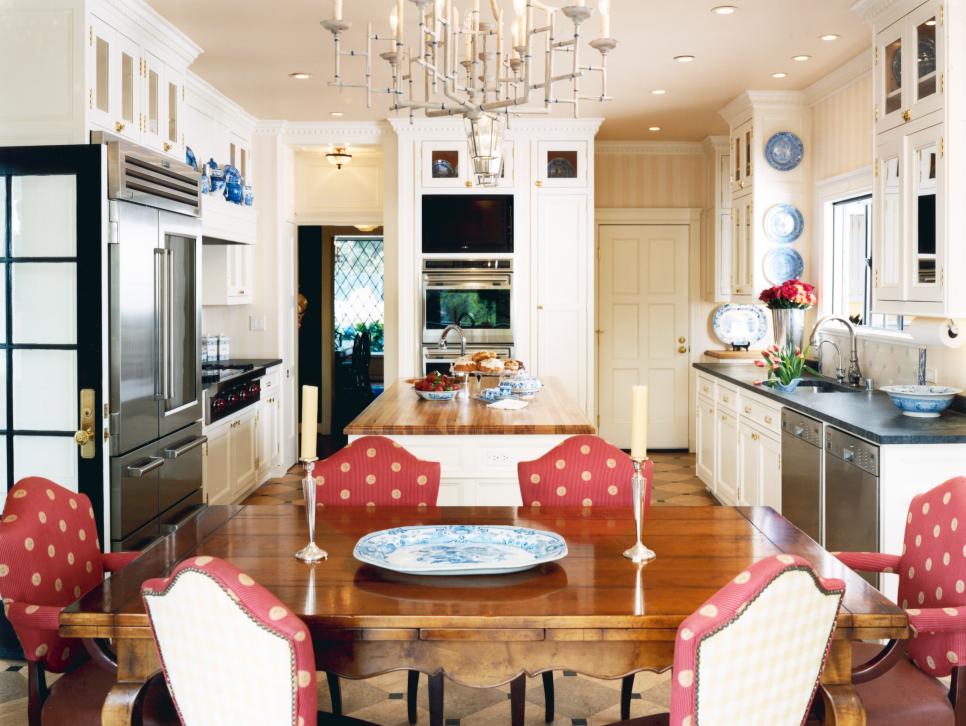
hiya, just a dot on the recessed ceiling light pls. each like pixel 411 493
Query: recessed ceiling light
pixel 658 92
pixel 801 58
pixel 830 37
pixel 684 58
pixel 779 74
pixel 300 76
pixel 724 9
pixel 337 114
pixel 654 128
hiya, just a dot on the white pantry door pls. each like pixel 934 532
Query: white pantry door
pixel 642 290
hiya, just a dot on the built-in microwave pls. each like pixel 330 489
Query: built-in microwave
pixel 467 223
pixel 476 295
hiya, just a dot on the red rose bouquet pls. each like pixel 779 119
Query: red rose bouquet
pixel 793 294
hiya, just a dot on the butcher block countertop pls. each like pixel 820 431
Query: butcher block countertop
pixel 400 411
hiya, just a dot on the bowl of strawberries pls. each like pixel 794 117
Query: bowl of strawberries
pixel 437 387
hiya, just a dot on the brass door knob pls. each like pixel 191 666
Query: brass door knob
pixel 82 437
pixel 682 349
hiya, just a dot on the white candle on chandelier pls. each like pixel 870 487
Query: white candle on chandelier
pixel 476 14
pixel 468 40
pixel 394 22
pixel 400 12
pixel 604 18
pixel 337 9
pixel 520 8
pixel 499 37
pixel 580 3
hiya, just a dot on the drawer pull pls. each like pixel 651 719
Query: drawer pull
pixel 747 409
pixel 754 437
pixel 768 419
pixel 705 389
pixel 725 399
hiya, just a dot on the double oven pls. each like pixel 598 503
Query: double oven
pixel 476 295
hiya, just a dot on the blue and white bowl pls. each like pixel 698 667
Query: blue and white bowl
pixel 437 395
pixel 922 401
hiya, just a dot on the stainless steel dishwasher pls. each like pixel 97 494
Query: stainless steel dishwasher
pixel 802 447
pixel 851 495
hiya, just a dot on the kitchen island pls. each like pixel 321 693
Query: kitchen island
pixel 478 447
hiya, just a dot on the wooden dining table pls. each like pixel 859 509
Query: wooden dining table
pixel 593 612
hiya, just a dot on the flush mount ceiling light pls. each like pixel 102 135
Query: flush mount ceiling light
pixel 931 21
pixel 336 114
pixel 828 37
pixel 365 228
pixel 338 157
pixel 684 58
pixel 724 10
pixel 480 68
pixel 779 74
pixel 654 128
pixel 801 58
pixel 658 92
pixel 300 76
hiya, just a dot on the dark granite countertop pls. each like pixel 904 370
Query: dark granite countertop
pixel 256 368
pixel 871 416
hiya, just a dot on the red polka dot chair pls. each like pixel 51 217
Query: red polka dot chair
pixel 590 472
pixel 582 471
pixel 377 471
pixel 49 557
pixel 754 652
pixel 896 688
pixel 231 652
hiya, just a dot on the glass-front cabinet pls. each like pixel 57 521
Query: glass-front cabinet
pixel 910 67
pixel 742 156
pixel 889 218
pixel 926 249
pixel 560 164
pixel 743 245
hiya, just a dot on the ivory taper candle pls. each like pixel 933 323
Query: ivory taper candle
pixel 337 9
pixel 639 422
pixel 310 420
pixel 604 18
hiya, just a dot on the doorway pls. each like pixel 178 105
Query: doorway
pixel 341 328
pixel 643 324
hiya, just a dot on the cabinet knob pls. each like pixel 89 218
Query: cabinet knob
pixel 468 183
pixel 119 126
pixel 747 409
pixel 167 146
pixel 768 419
pixel 907 115
pixel 539 307
pixel 538 183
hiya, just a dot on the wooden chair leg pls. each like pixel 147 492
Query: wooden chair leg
pixel 627 688
pixel 957 694
pixel 436 700
pixel 548 696
pixel 412 689
pixel 36 692
pixel 518 699
pixel 335 693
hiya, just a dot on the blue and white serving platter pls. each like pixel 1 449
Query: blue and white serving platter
pixel 459 549
pixel 784 151
pixel 782 264
pixel 783 223
pixel 739 324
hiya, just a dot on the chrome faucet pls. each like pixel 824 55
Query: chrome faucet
pixel 839 370
pixel 446 332
pixel 854 374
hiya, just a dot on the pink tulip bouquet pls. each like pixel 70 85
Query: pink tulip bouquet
pixel 785 367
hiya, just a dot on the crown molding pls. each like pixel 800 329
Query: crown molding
pixel 843 76
pixel 205 97
pixel 145 25
pixel 651 148
pixel 750 101
pixel 711 144
pixel 872 11
pixel 314 133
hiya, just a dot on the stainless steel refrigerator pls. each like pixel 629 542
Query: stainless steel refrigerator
pixel 154 261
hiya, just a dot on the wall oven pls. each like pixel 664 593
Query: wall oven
pixel 474 294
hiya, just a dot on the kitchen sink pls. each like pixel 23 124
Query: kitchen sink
pixel 820 385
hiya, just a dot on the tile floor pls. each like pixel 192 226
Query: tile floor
pixel 580 701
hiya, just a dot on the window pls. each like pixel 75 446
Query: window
pixel 852 265
pixel 358 289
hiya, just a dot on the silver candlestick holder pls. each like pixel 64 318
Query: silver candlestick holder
pixel 638 553
pixel 311 552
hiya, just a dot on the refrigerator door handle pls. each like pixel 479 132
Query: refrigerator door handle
pixel 160 313
pixel 169 323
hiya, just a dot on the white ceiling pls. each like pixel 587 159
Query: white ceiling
pixel 250 47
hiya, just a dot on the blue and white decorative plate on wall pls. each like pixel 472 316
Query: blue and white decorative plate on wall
pixel 459 549
pixel 739 325
pixel 783 223
pixel 782 264
pixel 784 151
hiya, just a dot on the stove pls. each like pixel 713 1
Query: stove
pixel 224 397
pixel 218 372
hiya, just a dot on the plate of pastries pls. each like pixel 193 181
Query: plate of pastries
pixel 487 363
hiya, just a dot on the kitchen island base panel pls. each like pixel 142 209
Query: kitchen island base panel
pixel 478 470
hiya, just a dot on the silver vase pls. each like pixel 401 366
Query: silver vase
pixel 788 325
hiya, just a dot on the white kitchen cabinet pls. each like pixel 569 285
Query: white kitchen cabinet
pixel 269 425
pixel 770 476
pixel 759 467
pixel 217 484
pixel 562 264
pixel 743 247
pixel 560 164
pixel 726 460
pixel 704 441
pixel 227 274
pixel 716 222
pixel 742 156
pixel 243 468
pixel 101 72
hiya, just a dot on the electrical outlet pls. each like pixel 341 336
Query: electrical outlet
pixel 497 458
pixel 256 322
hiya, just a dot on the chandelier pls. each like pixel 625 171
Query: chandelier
pixel 466 67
